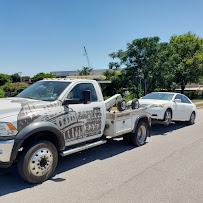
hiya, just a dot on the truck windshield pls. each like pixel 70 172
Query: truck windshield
pixel 159 96
pixel 44 90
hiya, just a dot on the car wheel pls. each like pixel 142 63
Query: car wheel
pixel 121 105
pixel 167 117
pixel 38 161
pixel 135 104
pixel 192 119
pixel 139 137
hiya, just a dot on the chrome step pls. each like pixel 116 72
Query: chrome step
pixel 78 149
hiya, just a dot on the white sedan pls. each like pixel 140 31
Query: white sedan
pixel 166 107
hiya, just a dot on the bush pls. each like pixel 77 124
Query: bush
pixel 2 93
pixel 19 89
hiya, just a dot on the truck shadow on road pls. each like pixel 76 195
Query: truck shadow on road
pixel 11 182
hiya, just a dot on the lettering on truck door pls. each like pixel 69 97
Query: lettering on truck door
pixel 85 120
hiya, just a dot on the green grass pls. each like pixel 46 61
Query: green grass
pixel 199 105
pixel 197 100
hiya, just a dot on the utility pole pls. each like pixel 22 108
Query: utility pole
pixel 87 57
pixel 145 90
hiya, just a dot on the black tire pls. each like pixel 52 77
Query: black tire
pixel 126 138
pixel 167 117
pixel 139 137
pixel 121 105
pixel 135 104
pixel 38 161
pixel 192 119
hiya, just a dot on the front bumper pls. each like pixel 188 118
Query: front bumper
pixel 5 152
pixel 156 113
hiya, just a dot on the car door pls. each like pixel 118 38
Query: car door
pixel 84 121
pixel 187 108
pixel 178 113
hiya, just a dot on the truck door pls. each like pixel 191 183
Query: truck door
pixel 84 121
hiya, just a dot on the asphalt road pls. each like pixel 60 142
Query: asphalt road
pixel 168 168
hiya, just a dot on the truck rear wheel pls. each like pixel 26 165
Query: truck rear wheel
pixel 38 161
pixel 139 137
pixel 126 138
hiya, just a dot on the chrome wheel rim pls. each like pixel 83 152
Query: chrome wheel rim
pixel 41 162
pixel 142 133
pixel 123 106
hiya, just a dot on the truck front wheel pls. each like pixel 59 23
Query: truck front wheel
pixel 139 137
pixel 38 161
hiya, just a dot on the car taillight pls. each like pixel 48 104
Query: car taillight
pixel 150 119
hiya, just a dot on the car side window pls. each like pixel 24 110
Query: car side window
pixel 76 92
pixel 178 96
pixel 185 100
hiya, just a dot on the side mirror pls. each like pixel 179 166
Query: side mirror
pixel 86 95
pixel 178 100
pixel 86 99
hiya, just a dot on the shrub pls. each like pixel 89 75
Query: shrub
pixel 2 93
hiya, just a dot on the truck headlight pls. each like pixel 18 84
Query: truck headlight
pixel 157 105
pixel 7 129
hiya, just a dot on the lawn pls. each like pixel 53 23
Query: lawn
pixel 199 105
pixel 197 100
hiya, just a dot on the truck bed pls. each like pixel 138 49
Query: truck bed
pixel 118 123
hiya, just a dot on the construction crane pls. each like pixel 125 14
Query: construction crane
pixel 87 57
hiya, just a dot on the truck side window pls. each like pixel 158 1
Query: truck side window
pixel 76 92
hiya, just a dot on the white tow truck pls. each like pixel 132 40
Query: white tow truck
pixel 60 117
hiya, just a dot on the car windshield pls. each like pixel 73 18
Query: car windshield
pixel 159 96
pixel 44 90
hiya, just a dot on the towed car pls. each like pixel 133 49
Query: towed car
pixel 166 107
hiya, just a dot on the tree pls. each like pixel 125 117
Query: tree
pixel 189 66
pixel 2 94
pixel 85 71
pixel 15 78
pixel 41 76
pixel 114 66
pixel 4 79
pixel 140 61
pixel 115 85
pixel 23 78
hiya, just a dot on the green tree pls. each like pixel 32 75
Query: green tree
pixel 41 76
pixel 189 66
pixel 25 78
pixel 85 71
pixel 15 78
pixel 2 94
pixel 4 79
pixel 115 86
pixel 141 59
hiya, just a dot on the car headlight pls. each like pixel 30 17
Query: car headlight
pixel 157 105
pixel 7 129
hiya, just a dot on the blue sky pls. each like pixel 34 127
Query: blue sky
pixel 49 35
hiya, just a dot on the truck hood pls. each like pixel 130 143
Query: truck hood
pixel 13 105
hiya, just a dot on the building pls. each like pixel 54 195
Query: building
pixel 63 74
pixel 195 88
